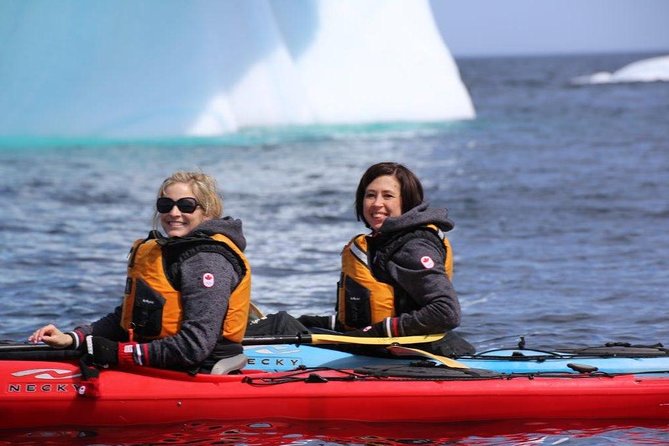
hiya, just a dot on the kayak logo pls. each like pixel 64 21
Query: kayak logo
pixel 275 362
pixel 47 373
pixel 274 357
pixel 45 386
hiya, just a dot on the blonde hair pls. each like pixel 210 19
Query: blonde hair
pixel 204 188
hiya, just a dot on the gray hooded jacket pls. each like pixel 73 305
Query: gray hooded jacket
pixel 204 308
pixel 430 302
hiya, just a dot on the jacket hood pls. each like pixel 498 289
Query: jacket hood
pixel 419 216
pixel 228 226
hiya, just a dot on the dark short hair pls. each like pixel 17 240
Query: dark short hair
pixel 411 190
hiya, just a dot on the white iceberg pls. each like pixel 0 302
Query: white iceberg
pixel 166 68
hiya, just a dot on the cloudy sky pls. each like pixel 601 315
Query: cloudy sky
pixel 502 27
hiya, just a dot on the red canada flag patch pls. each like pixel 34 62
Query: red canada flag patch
pixel 427 262
pixel 208 280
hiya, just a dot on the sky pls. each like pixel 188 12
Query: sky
pixel 523 27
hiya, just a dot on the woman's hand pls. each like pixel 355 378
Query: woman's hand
pixel 51 335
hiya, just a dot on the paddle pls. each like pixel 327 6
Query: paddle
pixel 400 350
pixel 299 338
pixel 395 345
pixel 255 312
pixel 323 339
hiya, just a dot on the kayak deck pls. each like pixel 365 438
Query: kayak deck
pixel 605 359
pixel 37 393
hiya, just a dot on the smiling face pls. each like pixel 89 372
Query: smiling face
pixel 176 223
pixel 382 199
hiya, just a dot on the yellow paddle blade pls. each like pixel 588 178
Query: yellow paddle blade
pixel 400 350
pixel 255 312
pixel 342 339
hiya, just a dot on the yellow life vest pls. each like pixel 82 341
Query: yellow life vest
pixel 152 306
pixel 362 299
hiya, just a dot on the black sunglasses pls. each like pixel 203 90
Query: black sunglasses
pixel 186 205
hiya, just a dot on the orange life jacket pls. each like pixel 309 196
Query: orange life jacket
pixel 152 306
pixel 362 299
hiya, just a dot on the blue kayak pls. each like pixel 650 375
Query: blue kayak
pixel 615 358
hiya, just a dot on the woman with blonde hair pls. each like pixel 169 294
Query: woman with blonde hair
pixel 187 293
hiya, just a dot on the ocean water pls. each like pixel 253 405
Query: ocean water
pixel 558 192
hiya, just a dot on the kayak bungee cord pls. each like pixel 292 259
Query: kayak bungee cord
pixel 415 372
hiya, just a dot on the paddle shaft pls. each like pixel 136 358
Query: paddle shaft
pixel 299 338
pixel 316 339
pixel 46 352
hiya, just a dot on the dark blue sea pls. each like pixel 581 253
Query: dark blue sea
pixel 559 193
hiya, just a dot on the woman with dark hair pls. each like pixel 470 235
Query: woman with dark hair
pixel 396 280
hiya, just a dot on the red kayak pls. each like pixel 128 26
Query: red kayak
pixel 48 393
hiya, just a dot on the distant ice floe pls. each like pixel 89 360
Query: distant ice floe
pixel 654 69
